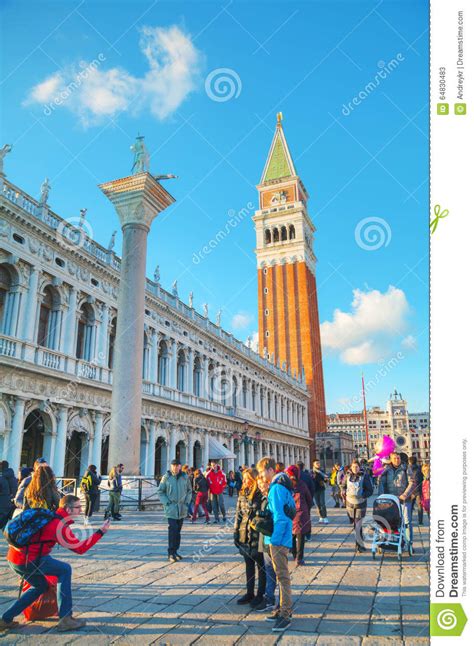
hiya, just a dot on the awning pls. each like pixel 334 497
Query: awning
pixel 218 451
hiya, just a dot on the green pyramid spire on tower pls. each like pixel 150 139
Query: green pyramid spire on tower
pixel 279 163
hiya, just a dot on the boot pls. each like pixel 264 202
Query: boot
pixel 70 623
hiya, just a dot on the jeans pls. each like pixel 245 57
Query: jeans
pixel 279 555
pixel 320 500
pixel 34 574
pixel 357 515
pixel 174 534
pixel 91 499
pixel 201 499
pixel 407 515
pixel 217 500
pixel 271 578
pixel 251 566
pixel 336 495
pixel 114 503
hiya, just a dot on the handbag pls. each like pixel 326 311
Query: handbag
pixel 262 523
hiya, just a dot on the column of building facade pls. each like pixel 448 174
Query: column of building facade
pixel 190 374
pixel 61 438
pixel 70 324
pixel 153 369
pixel 150 465
pixel 102 336
pixel 190 446
pixel 172 453
pixel 98 419
pixel 205 458
pixel 205 377
pixel 173 364
pixel 16 435
pixel 28 316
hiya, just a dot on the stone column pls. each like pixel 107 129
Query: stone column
pixel 150 470
pixel 16 437
pixel 172 451
pixel 102 337
pixel 137 199
pixel 153 373
pixel 29 316
pixel 189 451
pixel 190 372
pixel 60 450
pixel 205 458
pixel 97 444
pixel 69 327
pixel 205 377
pixel 173 365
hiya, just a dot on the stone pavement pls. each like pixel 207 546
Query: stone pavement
pixel 130 594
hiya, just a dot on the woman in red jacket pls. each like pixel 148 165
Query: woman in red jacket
pixel 302 520
pixel 33 563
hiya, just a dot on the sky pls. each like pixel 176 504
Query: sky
pixel 202 82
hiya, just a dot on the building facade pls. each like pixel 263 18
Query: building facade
pixel 287 294
pixel 409 430
pixel 335 447
pixel 205 394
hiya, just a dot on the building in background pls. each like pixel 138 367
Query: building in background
pixel 288 323
pixel 205 393
pixel 409 430
pixel 335 447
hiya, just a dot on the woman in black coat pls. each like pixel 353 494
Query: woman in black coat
pixel 8 487
pixel 246 539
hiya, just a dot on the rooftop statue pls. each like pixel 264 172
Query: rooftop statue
pixel 141 157
pixel 45 188
pixel 7 148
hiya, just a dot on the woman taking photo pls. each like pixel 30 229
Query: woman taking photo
pixel 231 483
pixel 42 491
pixel 90 487
pixel 356 488
pixel 246 539
pixel 302 520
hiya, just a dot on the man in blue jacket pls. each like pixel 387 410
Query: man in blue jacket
pixel 280 542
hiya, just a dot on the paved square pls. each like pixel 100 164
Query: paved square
pixel 130 594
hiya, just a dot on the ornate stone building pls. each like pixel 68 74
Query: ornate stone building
pixel 205 394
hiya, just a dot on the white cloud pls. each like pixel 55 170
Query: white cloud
pixel 94 93
pixel 254 341
pixel 241 320
pixel 367 333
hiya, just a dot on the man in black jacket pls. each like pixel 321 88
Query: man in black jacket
pixel 8 487
pixel 319 482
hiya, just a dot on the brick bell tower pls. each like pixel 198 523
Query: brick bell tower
pixel 288 319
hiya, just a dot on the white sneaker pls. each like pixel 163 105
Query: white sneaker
pixel 321 520
pixel 87 522
pixel 325 521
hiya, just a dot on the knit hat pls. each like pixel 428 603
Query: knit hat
pixel 293 471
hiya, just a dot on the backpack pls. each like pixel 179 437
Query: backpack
pixel 19 530
pixel 86 483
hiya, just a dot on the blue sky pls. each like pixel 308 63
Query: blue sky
pixel 144 69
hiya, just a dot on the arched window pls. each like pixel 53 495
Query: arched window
pixel 181 371
pixel 244 393
pixel 268 236
pixel 146 355
pixel 224 391
pixel 85 333
pixel 269 405
pixel 5 289
pixel 261 402
pixel 112 335
pixel 276 235
pixel 276 408
pixel 163 363
pixel 49 324
pixel 234 392
pixel 254 398
pixel 197 377
pixel 292 232
pixel 284 234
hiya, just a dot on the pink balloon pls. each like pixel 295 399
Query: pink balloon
pixel 378 467
pixel 385 446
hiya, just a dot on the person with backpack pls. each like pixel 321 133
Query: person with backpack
pixel 282 509
pixel 32 536
pixel 115 486
pixel 357 487
pixel 333 481
pixel 246 538
pixel 42 492
pixel 201 488
pixel 8 488
pixel 175 494
pixel 90 488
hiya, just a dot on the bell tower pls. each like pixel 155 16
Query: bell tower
pixel 288 318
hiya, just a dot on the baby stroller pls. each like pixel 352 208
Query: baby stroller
pixel 389 527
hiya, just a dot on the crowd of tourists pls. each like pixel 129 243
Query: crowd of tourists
pixel 272 520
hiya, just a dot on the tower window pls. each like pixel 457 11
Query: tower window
pixel 267 334
pixel 284 235
pixel 292 232
pixel 276 235
pixel 265 290
pixel 267 312
pixel 265 271
pixel 268 236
